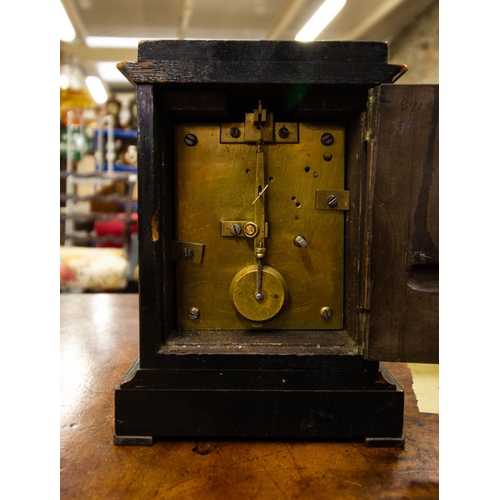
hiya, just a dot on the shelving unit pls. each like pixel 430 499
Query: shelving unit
pixel 105 175
pixel 109 136
pixel 99 198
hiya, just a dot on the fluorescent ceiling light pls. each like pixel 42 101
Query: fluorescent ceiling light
pixel 111 42
pixel 320 20
pixel 96 89
pixel 110 73
pixel 67 32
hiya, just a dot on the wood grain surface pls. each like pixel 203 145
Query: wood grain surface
pixel 99 342
pixel 404 307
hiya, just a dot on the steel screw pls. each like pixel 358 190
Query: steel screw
pixel 327 139
pixel 194 313
pixel 283 132
pixel 300 241
pixel 331 200
pixel 326 312
pixel 235 229
pixel 188 252
pixel 234 132
pixel 191 140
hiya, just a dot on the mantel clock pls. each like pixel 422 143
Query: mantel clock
pixel 287 241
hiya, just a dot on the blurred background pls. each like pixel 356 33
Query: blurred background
pixel 107 31
pixel 98 152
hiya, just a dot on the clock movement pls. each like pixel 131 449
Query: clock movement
pixel 287 241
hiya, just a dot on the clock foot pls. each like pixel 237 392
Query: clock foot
pixel 132 440
pixel 385 442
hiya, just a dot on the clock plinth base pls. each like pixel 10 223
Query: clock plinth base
pixel 359 403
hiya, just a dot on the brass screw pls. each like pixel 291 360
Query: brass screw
pixel 327 157
pixel 250 229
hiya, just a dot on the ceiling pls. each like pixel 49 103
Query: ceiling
pixel 378 20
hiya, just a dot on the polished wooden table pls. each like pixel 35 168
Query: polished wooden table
pixel 99 342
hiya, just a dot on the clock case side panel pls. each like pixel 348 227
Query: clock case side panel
pixel 156 286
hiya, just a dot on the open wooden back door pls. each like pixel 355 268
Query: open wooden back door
pixel 405 237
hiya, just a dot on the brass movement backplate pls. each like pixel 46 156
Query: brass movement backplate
pixel 301 247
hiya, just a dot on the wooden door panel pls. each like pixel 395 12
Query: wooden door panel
pixel 404 320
